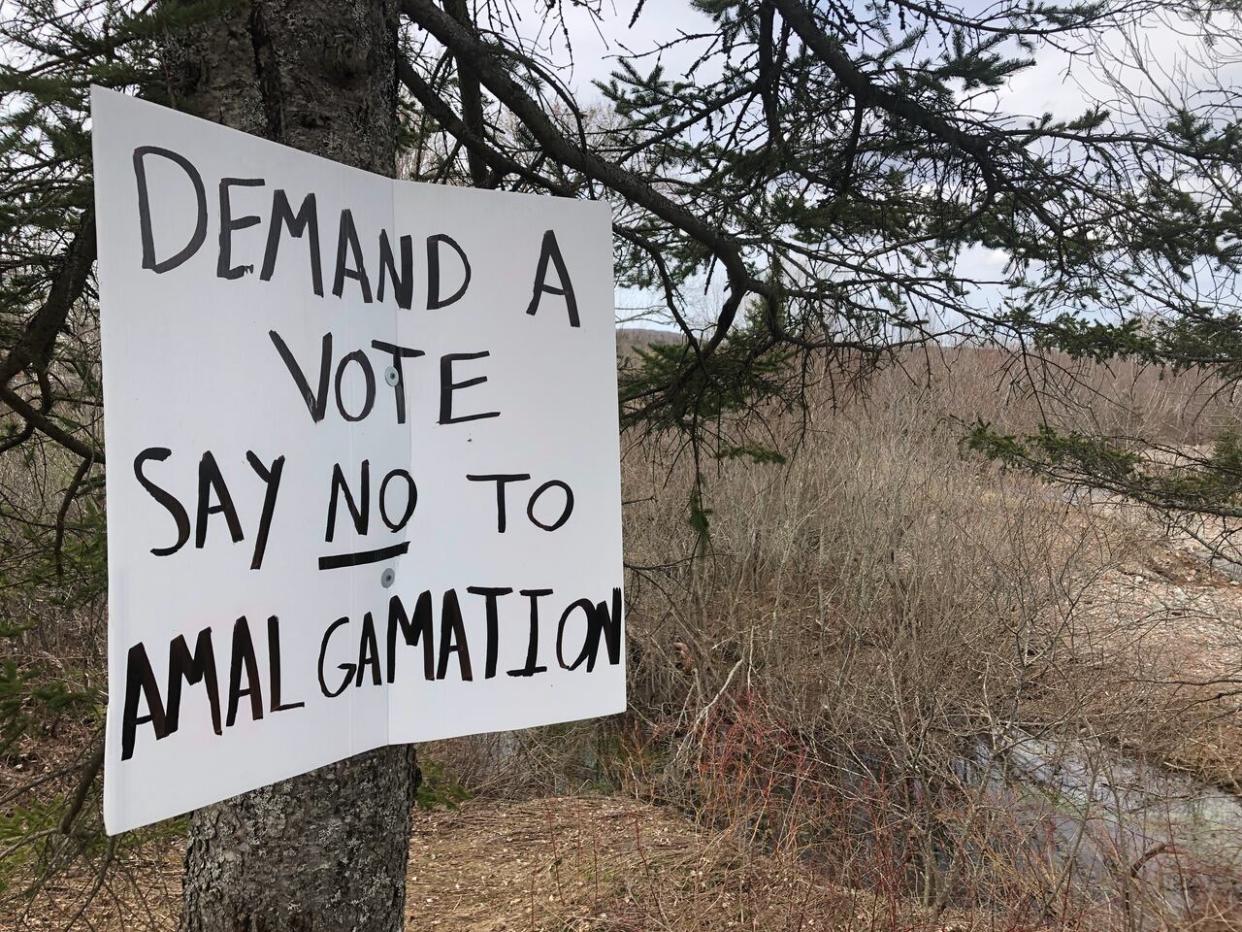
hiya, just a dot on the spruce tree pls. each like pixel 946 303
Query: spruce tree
pixel 827 167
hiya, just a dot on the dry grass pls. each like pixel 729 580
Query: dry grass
pixel 821 677
pixel 825 694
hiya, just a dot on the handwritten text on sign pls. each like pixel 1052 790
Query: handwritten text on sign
pixel 363 480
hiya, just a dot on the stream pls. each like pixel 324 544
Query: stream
pixel 1163 841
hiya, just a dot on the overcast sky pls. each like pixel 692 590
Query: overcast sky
pixel 1058 83
pixel 1055 84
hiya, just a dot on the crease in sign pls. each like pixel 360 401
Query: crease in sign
pixel 381 501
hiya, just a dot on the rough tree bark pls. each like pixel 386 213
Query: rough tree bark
pixel 326 851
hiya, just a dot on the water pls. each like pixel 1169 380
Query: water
pixel 1163 842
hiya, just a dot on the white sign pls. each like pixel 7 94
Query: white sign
pixel 363 467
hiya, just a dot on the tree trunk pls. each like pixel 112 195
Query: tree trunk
pixel 326 851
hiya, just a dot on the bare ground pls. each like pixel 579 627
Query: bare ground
pixel 617 864
pixel 566 863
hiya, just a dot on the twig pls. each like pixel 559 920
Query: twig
pixel 90 771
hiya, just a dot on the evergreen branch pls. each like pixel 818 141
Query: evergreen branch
pixel 44 424
pixel 35 344
pixel 484 60
pixel 471 98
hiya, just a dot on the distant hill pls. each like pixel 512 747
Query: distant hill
pixel 630 339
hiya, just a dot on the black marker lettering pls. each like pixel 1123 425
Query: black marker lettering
pixel 165 498
pixel 532 644
pixel 433 272
pixel 305 219
pixel 566 511
pixel 347 239
pixel 448 386
pixel 491 595
pixel 501 479
pixel 552 250
pixel 243 657
pixel 140 684
pixel 210 481
pixel 273 667
pixel 144 209
pixel 601 621
pixel 398 353
pixel 403 284
pixel 589 642
pixel 411 499
pixel 363 557
pixel 609 623
pixel 359 358
pixel 193 668
pixel 347 667
pixel 316 402
pixel 411 632
pixel 361 514
pixel 453 637
pixel 368 652
pixel 224 264
pixel 271 481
